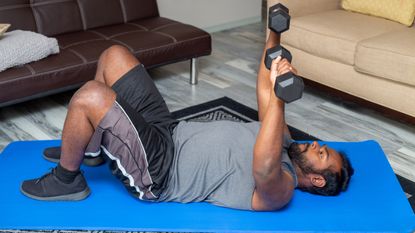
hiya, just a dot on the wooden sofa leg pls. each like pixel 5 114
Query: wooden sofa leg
pixel 193 71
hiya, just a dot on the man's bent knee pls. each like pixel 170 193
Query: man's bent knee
pixel 117 49
pixel 114 63
pixel 92 94
pixel 118 53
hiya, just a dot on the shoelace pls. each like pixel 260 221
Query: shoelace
pixel 52 170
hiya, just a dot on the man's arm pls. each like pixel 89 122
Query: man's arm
pixel 264 85
pixel 273 185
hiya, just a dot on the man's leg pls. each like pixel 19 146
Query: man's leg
pixel 145 108
pixel 65 182
pixel 113 63
pixel 119 69
pixel 86 109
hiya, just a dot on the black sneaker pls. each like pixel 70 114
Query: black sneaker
pixel 50 188
pixel 53 154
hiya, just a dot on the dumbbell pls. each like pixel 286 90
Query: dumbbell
pixel 288 87
pixel 278 18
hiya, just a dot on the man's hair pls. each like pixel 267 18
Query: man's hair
pixel 335 181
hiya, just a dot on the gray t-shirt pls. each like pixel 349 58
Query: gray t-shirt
pixel 213 163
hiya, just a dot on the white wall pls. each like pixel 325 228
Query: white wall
pixel 212 15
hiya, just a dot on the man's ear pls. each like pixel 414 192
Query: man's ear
pixel 317 180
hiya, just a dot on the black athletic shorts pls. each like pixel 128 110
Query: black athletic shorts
pixel 135 134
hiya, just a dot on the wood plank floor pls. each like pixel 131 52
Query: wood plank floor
pixel 231 71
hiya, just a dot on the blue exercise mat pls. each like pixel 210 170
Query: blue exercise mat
pixel 374 201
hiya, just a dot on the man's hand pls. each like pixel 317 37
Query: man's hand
pixel 280 66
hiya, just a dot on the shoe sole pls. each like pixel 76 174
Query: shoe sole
pixel 69 197
pixel 92 162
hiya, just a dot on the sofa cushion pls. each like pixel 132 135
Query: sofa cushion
pixel 98 13
pixel 18 13
pixel 139 9
pixel 90 51
pixel 75 38
pixel 54 72
pixel 155 41
pixel 176 41
pixel 333 34
pixel 390 56
pixel 57 17
pixel 402 11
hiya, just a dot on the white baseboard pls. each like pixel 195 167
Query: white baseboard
pixel 233 24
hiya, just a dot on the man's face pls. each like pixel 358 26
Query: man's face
pixel 312 157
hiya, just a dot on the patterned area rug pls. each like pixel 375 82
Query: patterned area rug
pixel 228 109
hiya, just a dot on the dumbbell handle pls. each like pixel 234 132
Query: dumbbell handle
pixel 274 52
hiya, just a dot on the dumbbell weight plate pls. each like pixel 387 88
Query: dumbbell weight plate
pixel 289 87
pixel 278 18
pixel 277 7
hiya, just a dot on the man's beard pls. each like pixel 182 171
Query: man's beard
pixel 297 156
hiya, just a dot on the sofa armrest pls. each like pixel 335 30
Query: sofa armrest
pixel 306 7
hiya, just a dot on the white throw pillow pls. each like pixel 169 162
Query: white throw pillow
pixel 22 47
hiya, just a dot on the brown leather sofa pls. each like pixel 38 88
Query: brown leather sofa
pixel 84 29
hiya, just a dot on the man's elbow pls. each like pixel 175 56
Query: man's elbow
pixel 275 205
pixel 283 203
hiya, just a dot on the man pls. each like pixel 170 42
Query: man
pixel 236 165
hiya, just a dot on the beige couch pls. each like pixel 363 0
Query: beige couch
pixel 368 57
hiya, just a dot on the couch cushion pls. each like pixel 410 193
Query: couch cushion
pixel 57 17
pixel 391 56
pixel 98 13
pixel 54 72
pixel 90 51
pixel 75 38
pixel 173 41
pixel 154 41
pixel 335 34
pixel 18 13
pixel 402 11
pixel 139 9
